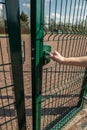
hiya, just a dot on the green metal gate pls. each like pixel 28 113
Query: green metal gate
pixel 57 90
pixel 12 104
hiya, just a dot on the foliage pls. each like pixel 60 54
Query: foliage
pixel 25 25
pixel 23 17
pixel 54 27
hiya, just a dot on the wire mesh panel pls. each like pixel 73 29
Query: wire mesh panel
pixel 8 115
pixel 12 115
pixel 65 31
pixel 61 24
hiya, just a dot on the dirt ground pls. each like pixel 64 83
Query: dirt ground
pixel 8 116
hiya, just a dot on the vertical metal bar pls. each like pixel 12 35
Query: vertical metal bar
pixel 77 13
pixel 36 53
pixel 69 14
pixel 73 14
pixel 60 13
pixel 84 11
pixel 49 12
pixel 80 24
pixel 65 12
pixel 13 23
pixel 55 12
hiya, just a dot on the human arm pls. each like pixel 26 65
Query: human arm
pixel 74 61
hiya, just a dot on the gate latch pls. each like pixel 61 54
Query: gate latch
pixel 46 53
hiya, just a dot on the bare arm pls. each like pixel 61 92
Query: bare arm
pixel 75 61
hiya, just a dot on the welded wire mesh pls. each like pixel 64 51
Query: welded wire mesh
pixel 65 29
pixel 65 16
pixel 8 115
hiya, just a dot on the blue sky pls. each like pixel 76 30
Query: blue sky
pixel 65 9
pixel 70 11
pixel 1 7
pixel 25 6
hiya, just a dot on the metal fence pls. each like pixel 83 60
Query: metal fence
pixel 7 100
pixel 62 25
pixel 35 92
pixel 12 104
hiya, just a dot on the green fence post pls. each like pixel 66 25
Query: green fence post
pixel 37 52
pixel 13 24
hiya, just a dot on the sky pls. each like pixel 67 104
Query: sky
pixel 1 8
pixel 25 6
pixel 67 11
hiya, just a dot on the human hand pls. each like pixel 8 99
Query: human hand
pixel 55 56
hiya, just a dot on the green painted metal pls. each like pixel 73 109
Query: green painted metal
pixel 75 111
pixel 66 119
pixel 13 24
pixel 72 113
pixel 46 53
pixel 54 101
pixel 37 61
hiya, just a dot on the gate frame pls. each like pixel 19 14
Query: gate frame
pixel 13 24
pixel 36 51
pixel 36 61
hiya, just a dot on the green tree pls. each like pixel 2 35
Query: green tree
pixel 24 17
